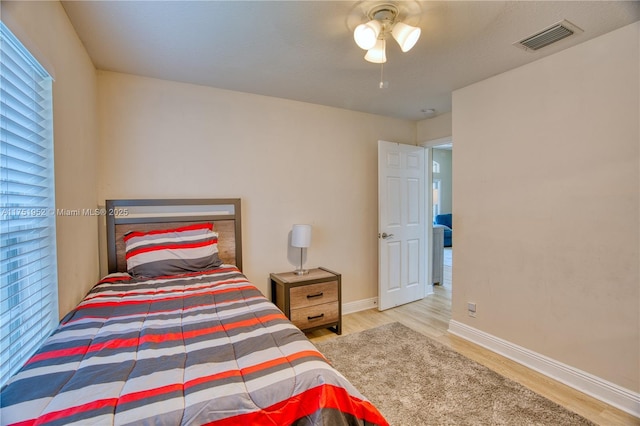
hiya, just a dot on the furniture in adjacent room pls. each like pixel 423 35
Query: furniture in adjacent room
pixel 311 301
pixel 446 220
pixel 438 254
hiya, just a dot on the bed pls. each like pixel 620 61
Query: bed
pixel 177 335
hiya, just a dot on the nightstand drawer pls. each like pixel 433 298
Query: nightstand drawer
pixel 314 294
pixel 314 316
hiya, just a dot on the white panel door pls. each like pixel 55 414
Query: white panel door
pixel 401 224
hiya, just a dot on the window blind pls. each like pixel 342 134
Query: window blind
pixel 28 272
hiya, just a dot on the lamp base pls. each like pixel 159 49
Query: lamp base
pixel 301 271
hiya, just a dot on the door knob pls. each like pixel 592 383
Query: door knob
pixel 384 235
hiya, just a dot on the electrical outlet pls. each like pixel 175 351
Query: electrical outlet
pixel 471 308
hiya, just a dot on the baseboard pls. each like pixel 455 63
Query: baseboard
pixel 359 305
pixel 582 381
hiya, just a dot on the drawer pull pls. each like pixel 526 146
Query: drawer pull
pixel 315 317
pixel 311 296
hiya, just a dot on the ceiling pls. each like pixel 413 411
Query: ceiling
pixel 304 50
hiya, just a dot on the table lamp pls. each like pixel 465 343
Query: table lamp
pixel 301 237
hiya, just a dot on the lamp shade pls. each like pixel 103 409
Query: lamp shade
pixel 301 236
pixel 377 54
pixel 406 35
pixel 366 35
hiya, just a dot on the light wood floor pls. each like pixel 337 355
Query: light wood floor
pixel 430 316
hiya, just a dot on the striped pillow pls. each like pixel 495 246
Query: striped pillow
pixel 157 253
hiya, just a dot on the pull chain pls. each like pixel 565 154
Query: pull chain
pixel 383 84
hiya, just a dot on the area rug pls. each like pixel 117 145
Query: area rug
pixel 414 380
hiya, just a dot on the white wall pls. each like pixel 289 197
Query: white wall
pixel 289 162
pixel 43 27
pixel 547 193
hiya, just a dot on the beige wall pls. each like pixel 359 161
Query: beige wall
pixel 434 128
pixel 547 206
pixel 289 162
pixel 43 27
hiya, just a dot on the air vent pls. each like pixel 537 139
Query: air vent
pixel 549 35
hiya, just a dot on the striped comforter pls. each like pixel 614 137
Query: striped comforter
pixel 203 348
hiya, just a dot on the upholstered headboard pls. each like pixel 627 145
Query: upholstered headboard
pixel 149 214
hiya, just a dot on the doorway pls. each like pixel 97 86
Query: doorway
pixel 441 209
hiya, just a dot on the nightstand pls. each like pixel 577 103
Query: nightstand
pixel 310 301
